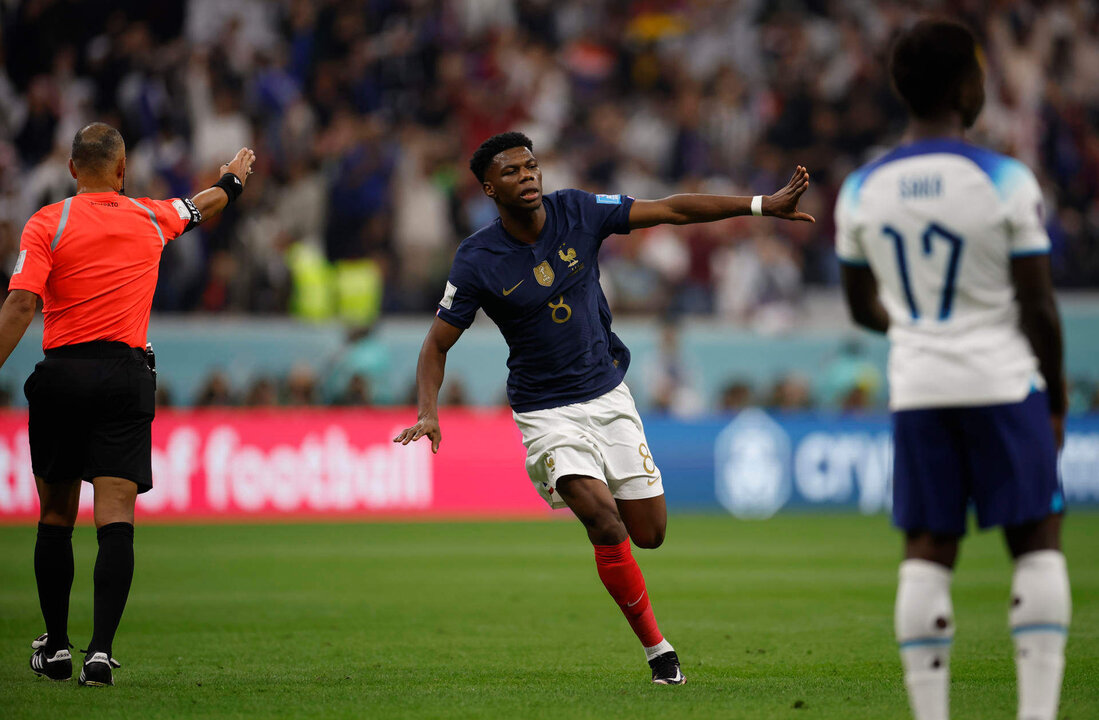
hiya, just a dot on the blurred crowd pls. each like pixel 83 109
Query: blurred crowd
pixel 849 384
pixel 302 386
pixel 363 115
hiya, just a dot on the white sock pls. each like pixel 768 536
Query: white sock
pixel 1039 616
pixel 924 623
pixel 659 649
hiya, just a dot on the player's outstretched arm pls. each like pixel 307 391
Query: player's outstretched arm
pixel 15 317
pixel 1040 322
pixel 429 378
pixel 690 208
pixel 860 290
pixel 213 200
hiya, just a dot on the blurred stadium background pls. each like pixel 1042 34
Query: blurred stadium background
pixel 287 334
pixel 363 115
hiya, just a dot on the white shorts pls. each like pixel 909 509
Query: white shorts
pixel 601 438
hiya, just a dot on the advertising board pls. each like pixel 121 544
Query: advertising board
pixel 317 463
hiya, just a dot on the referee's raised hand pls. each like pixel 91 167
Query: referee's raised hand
pixel 234 175
pixel 241 165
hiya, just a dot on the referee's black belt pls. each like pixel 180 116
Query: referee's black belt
pixel 96 350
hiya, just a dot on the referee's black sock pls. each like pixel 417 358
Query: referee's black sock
pixel 114 570
pixel 53 569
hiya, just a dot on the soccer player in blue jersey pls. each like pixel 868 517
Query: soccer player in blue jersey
pixel 535 273
pixel 943 247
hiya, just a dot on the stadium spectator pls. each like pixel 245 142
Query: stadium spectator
pixel 758 283
pixel 1093 404
pixel 357 393
pixel 262 393
pixel 669 376
pixel 454 393
pixel 215 391
pixel 790 393
pixel 301 386
pixel 164 396
pixel 364 354
pixel 735 396
pixel 850 381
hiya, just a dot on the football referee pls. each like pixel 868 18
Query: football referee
pixel 93 259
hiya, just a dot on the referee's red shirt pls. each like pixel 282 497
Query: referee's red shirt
pixel 93 259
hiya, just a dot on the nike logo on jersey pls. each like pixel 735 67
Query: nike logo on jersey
pixel 637 600
pixel 508 292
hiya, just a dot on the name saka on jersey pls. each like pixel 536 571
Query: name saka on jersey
pixel 546 300
pixel 938 222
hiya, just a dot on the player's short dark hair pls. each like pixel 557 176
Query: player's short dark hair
pixel 492 147
pixel 96 146
pixel 930 63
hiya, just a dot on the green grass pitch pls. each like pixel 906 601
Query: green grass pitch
pixel 788 618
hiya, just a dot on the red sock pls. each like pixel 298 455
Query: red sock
pixel 623 580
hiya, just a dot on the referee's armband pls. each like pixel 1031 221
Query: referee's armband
pixel 187 211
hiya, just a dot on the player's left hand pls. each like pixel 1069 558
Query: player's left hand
pixel 784 203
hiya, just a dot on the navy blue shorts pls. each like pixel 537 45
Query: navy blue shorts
pixel 1002 458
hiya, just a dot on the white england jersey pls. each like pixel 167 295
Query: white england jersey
pixel 938 222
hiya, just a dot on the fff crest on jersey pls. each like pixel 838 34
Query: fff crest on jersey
pixel 569 257
pixel 544 274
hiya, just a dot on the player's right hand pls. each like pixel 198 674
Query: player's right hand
pixel 241 165
pixel 1058 422
pixel 428 426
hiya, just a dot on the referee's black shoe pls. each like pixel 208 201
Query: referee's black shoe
pixel 666 669
pixel 96 670
pixel 55 666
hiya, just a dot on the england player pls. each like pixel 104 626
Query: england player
pixel 535 273
pixel 942 247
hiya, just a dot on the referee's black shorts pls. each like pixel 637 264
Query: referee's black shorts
pixel 91 414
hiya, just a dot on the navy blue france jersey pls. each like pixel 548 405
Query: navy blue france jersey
pixel 546 300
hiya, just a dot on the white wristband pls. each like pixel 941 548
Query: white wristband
pixel 757 206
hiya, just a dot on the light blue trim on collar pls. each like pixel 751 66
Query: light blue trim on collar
pixel 1004 172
